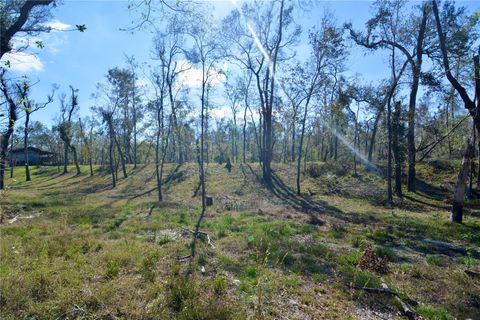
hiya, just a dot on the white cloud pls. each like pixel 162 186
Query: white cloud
pixel 22 62
pixel 57 25
pixel 221 113
pixel 192 77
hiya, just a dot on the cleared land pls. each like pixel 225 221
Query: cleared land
pixel 73 248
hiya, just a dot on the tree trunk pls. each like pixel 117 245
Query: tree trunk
pixel 468 103
pixel 374 135
pixel 244 146
pixel 396 150
pixel 417 68
pixel 300 147
pixel 15 26
pixel 65 157
pixel 3 154
pixel 389 155
pixel 472 165
pixel 478 169
pixel 356 141
pixel 12 161
pixel 335 150
pixel 25 145
pixel 134 129
pixel 90 151
pixel 201 166
pixel 267 177
pixel 305 156
pixel 234 139
pixel 75 158
pixel 120 155
pixel 176 136
pixel 112 169
pixel 157 160
pixel 159 163
pixel 294 133
pixel 459 192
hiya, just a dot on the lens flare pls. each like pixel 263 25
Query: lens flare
pixel 264 52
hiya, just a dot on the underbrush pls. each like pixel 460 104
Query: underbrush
pixel 83 250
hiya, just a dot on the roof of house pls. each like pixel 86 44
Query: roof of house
pixel 40 151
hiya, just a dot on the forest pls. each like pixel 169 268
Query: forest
pixel 279 159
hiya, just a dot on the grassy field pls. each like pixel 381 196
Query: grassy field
pixel 73 248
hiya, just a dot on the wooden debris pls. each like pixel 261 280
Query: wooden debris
pixel 402 306
pixel 183 258
pixel 370 261
pixel 472 274
pixel 202 233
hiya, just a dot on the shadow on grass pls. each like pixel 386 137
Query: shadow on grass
pixel 429 191
pixel 175 175
pixel 61 182
pixel 424 203
pixel 303 204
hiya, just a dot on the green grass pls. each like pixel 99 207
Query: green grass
pixel 105 251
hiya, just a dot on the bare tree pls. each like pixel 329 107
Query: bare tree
pixel 259 50
pixel 28 107
pixel 327 50
pixel 205 54
pixel 66 126
pixel 88 140
pixel 387 30
pixel 472 107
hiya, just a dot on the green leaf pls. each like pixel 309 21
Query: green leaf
pixel 81 27
pixel 250 238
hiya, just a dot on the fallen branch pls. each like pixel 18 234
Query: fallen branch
pixel 404 309
pixel 202 233
pixel 378 290
pixel 435 143
pixel 74 310
pixel 18 217
pixel 401 305
pixel 472 274
pixel 182 258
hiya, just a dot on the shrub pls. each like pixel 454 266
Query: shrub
pixel 436 260
pixel 219 284
pixel 433 313
pixel 251 272
pixel 352 258
pixel 149 264
pixel 314 170
pixel 359 242
pixel 365 279
pixel 384 252
pixel 112 269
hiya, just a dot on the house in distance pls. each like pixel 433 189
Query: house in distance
pixel 36 156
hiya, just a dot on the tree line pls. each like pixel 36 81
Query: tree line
pixel 286 104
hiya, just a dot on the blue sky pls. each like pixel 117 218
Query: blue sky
pixel 82 59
